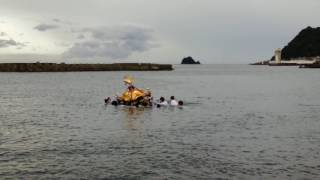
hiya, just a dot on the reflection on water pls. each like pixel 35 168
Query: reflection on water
pixel 132 119
pixel 238 122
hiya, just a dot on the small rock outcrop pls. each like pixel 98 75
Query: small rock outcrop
pixel 189 60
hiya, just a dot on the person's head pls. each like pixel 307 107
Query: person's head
pixel 172 97
pixel 144 103
pixel 107 100
pixel 114 103
pixel 130 87
pixel 180 103
pixel 162 99
pixel 148 92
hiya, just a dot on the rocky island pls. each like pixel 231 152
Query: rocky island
pixel 63 67
pixel 189 60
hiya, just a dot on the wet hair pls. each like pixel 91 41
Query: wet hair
pixel 162 99
pixel 130 87
pixel 172 97
pixel 180 103
pixel 144 104
pixel 114 103
pixel 107 100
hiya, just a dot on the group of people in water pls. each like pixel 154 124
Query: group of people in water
pixel 138 97
pixel 171 102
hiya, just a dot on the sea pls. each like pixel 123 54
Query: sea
pixel 237 122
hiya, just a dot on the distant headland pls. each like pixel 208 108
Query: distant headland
pixel 303 51
pixel 189 60
pixel 63 67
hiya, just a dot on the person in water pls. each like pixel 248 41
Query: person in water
pixel 173 101
pixel 163 102
pixel 132 96
pixel 107 100
pixel 147 99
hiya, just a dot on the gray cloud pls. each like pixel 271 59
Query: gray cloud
pixel 9 43
pixel 56 20
pixel 80 36
pixel 61 21
pixel 45 27
pixel 63 44
pixel 112 42
pixel 3 34
pixel 216 31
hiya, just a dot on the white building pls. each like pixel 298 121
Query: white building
pixel 277 55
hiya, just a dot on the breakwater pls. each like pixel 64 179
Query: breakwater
pixel 316 64
pixel 302 63
pixel 63 67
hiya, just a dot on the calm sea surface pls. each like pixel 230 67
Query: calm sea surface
pixel 239 122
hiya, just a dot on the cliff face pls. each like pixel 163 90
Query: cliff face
pixel 306 44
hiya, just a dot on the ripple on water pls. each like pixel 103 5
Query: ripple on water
pixel 236 126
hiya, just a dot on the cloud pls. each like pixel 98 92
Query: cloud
pixel 61 21
pixel 63 44
pixel 45 27
pixel 56 20
pixel 80 36
pixel 9 43
pixel 112 42
pixel 3 34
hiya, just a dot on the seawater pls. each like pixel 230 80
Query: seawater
pixel 238 122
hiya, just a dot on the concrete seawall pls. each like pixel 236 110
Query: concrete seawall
pixel 62 67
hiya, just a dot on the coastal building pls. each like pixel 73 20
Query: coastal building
pixel 277 54
pixel 293 62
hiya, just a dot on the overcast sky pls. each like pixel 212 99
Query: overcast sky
pixel 163 31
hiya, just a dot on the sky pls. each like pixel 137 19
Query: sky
pixel 157 31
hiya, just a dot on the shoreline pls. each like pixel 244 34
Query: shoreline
pixel 300 63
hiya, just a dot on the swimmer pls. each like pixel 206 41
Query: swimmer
pixel 162 102
pixel 173 101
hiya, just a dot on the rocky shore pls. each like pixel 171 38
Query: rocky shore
pixel 62 67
